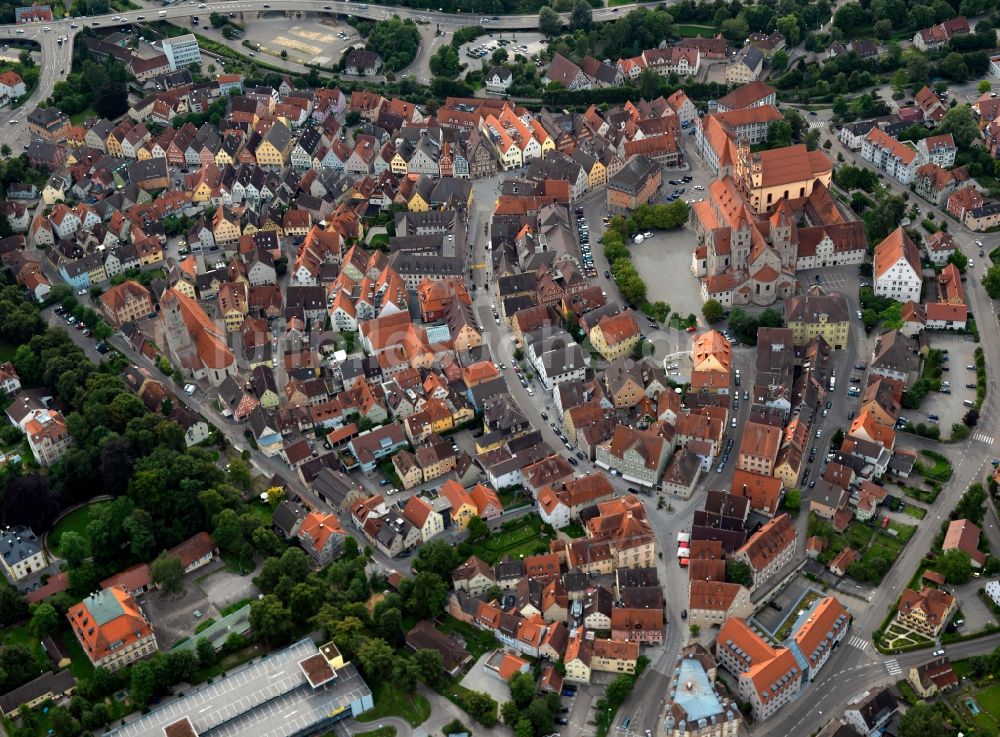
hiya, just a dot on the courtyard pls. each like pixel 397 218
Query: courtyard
pixel 206 594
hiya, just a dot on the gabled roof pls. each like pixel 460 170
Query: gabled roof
pixel 897 245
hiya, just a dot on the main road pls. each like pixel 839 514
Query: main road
pixel 56 59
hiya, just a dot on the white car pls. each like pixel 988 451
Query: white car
pixel 699 187
pixel 190 389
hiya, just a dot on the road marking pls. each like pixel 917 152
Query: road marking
pixel 893 667
pixel 859 642
pixel 983 438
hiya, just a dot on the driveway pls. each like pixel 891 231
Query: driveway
pixel 478 680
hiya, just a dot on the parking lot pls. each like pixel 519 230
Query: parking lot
pixel 948 408
pixel 664 261
pixel 482 48
pixel 321 43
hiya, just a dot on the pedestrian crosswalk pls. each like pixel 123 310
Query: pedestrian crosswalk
pixel 983 438
pixel 859 642
pixel 893 667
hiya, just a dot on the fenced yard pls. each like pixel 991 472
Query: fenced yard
pixel 516 538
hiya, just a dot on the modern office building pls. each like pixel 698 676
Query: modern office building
pixel 182 51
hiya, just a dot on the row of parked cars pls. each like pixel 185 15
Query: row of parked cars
pixel 586 255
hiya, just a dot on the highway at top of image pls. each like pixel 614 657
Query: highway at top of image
pixel 55 59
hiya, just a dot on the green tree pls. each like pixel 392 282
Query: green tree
pixel 389 626
pixel 921 720
pixel 899 80
pixel 582 18
pixel 395 40
pixel 44 620
pixel 849 17
pixel 205 650
pixel 789 27
pixel 695 630
pixel 270 619
pixel 779 60
pixel 792 501
pixel 445 62
pixel 454 727
pixel 991 281
pixel 712 311
pixel 481 707
pixel 738 572
pixel 523 728
pixel 541 716
pixel 779 134
pixel 953 67
pixel 983 87
pixel 477 529
pixel 426 595
pixel 549 22
pixel 510 713
pixel 960 122
pixel 735 29
pixel 437 557
pixel 73 548
pixel 142 685
pixel 430 666
pixel 376 658
pixel 522 689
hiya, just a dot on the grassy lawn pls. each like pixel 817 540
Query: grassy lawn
pixel 989 704
pixel 907 692
pixel 477 641
pixel 524 538
pixel 690 30
pixel 391 702
pixel 937 467
pixel 514 496
pixel 962 668
pixel 77 521
pixel 262 511
pixel 379 240
pixel 79 117
pixel 574 530
pixel 915 511
pixel 80 667
pixel 903 532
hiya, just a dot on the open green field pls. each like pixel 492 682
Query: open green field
pixel 77 521
pixel 692 31
pixel 989 709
